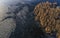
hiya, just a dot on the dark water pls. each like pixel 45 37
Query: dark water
pixel 26 27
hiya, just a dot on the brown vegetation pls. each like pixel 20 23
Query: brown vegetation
pixel 48 15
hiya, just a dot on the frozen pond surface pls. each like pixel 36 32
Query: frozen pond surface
pixel 16 18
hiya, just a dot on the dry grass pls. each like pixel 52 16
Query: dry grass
pixel 48 16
